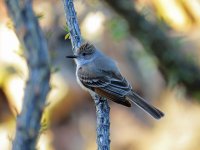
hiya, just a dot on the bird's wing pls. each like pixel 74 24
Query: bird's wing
pixel 118 84
pixel 106 83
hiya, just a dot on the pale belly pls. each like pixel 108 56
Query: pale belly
pixel 79 82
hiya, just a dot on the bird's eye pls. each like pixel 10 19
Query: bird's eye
pixel 84 54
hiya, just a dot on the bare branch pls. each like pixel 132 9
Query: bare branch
pixel 72 23
pixel 37 87
pixel 102 107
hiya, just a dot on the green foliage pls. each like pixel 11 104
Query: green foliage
pixel 67 36
pixel 66 28
pixel 118 28
pixel 197 95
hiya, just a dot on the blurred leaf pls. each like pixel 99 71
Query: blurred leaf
pixel 40 15
pixel 67 36
pixel 45 120
pixel 66 28
pixel 44 125
pixel 197 95
pixel 118 28
pixel 9 24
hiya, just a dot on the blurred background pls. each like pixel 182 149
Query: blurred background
pixel 69 119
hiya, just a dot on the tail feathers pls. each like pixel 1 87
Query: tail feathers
pixel 139 101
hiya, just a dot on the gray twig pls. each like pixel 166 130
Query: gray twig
pixel 37 87
pixel 102 107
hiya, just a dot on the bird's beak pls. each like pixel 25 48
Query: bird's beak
pixel 72 56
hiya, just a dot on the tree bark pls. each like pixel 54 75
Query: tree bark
pixel 37 87
pixel 102 107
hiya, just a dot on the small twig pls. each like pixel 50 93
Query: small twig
pixel 37 87
pixel 102 107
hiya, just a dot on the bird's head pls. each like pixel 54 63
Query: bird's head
pixel 86 52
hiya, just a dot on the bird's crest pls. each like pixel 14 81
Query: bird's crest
pixel 86 47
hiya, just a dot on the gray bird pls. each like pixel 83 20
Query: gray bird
pixel 98 73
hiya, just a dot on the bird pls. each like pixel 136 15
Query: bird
pixel 96 72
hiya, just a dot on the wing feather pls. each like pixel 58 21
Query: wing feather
pixel 107 82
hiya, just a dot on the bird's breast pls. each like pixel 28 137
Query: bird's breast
pixel 78 80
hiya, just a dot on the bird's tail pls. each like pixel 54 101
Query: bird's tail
pixel 139 101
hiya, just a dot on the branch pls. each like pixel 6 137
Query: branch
pixel 172 62
pixel 103 122
pixel 72 23
pixel 37 87
pixel 102 107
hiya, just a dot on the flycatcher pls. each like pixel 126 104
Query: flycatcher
pixel 98 73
